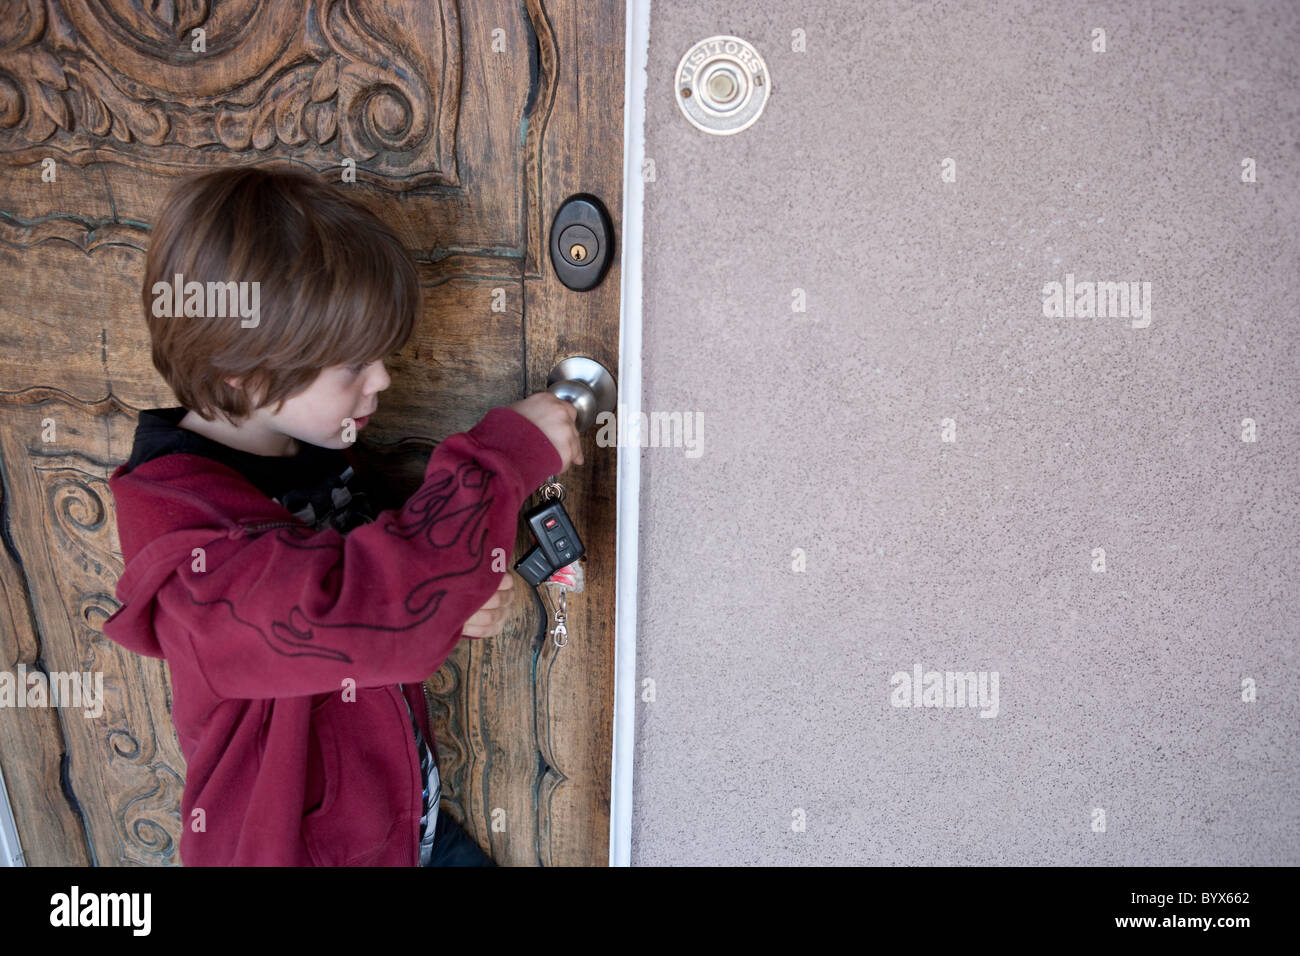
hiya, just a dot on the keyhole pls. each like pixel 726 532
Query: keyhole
pixel 577 252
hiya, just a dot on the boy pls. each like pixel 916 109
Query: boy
pixel 297 618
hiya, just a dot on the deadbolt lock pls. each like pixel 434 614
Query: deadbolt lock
pixel 582 242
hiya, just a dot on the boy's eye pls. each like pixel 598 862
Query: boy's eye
pixel 356 369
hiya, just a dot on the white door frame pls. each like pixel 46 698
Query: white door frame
pixel 628 507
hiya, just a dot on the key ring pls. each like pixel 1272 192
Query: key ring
pixel 552 489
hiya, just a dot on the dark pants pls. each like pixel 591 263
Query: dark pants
pixel 452 846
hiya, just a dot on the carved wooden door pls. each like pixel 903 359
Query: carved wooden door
pixel 469 124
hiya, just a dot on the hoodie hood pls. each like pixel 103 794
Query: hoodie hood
pixel 167 507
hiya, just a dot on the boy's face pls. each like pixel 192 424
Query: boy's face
pixel 319 414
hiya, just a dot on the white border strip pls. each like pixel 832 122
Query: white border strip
pixel 11 850
pixel 635 53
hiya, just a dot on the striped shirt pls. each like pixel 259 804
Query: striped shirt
pixel 432 788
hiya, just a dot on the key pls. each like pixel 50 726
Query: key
pixel 556 542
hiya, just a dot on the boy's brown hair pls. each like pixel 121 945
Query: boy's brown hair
pixel 335 285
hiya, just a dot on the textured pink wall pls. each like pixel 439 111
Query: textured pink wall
pixel 1119 691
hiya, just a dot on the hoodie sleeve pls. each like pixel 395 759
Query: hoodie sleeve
pixel 289 611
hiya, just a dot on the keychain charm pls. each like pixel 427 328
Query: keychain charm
pixel 568 578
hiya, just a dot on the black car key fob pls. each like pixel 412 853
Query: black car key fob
pixel 557 543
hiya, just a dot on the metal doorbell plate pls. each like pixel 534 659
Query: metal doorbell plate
pixel 722 85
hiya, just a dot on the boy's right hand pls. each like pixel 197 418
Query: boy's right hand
pixel 555 417
pixel 490 619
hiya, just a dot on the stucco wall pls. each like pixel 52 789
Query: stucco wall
pixel 1118 691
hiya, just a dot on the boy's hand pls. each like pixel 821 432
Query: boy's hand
pixel 490 619
pixel 555 417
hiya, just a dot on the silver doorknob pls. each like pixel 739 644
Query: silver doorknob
pixel 587 385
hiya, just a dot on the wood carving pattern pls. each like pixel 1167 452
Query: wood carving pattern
pixel 85 235
pixel 119 80
pixel 122 744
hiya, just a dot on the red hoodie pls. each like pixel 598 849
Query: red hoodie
pixel 263 627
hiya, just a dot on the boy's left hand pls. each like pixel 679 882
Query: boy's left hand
pixel 490 619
